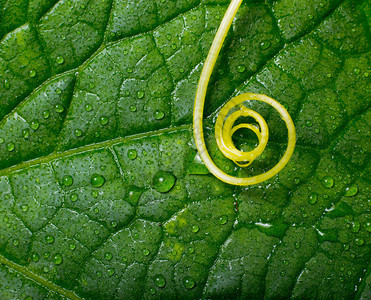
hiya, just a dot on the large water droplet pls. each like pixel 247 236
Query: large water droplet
pixel 67 180
pixel 163 181
pixel 223 220
pixel 46 114
pixel 188 282
pixel 24 208
pixel 328 182
pixel 195 228
pixel 78 132
pixel 59 108
pixel 58 259
pixel 351 191
pixel 49 239
pixel 140 94
pixel 159 280
pixel 73 197
pixel 59 60
pixel 108 255
pixel 34 125
pixel 265 45
pixel 97 180
pixel 10 147
pixel 103 120
pixel 32 73
pixel 132 154
pixel 159 115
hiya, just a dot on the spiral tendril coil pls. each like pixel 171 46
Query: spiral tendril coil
pixel 224 127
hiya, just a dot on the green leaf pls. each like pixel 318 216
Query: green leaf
pixel 102 193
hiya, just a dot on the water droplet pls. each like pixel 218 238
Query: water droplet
pixel 356 71
pixel 59 108
pixel 195 228
pixel 103 120
pixel 58 91
pixel 32 73
pixel 152 291
pixel 59 60
pixel 163 181
pixel 328 182
pixel 308 123
pixel 313 198
pixel 73 197
pixel 46 114
pixel 159 114
pixel 6 84
pixel 78 132
pixel 94 194
pixel 133 108
pixel 67 180
pixel 368 226
pixel 10 147
pixel 97 180
pixel 140 94
pixel 356 226
pixel 58 259
pixel 159 281
pixel 108 255
pixel 297 245
pixel 49 239
pixel 132 154
pixel 24 208
pixel 35 257
pixel 72 246
pixel 310 17
pixel 223 220
pixel 241 69
pixel 191 250
pixel 129 70
pixel 110 271
pixel 145 252
pixel 351 191
pixel 265 45
pixel 15 242
pixel 243 47
pixel 88 107
pixel 34 125
pixel 359 241
pixel 285 262
pixel 1 140
pixel 188 282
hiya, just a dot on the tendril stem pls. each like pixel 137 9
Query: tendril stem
pixel 224 124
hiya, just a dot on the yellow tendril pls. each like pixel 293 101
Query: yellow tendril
pixel 224 125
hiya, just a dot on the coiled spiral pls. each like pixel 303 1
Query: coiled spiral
pixel 224 127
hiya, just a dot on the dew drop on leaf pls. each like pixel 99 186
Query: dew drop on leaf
pixel 356 226
pixel 15 242
pixel 223 220
pixel 72 246
pixel 328 182
pixel 351 191
pixel 67 180
pixel 265 45
pixel 313 198
pixel 32 73
pixel 103 120
pixel 35 257
pixel 132 154
pixel 159 281
pixel 46 114
pixel 145 252
pixel 241 69
pixel 34 125
pixel 188 282
pixel 163 181
pixel 359 241
pixel 73 197
pixel 78 132
pixel 58 259
pixel 58 91
pixel 10 147
pixel 159 115
pixel 49 239
pixel 88 107
pixel 59 108
pixel 6 84
pixel 108 255
pixel 59 60
pixel 140 94
pixel 97 180
pixel 110 271
pixel 24 208
pixel 195 228
pixel 133 108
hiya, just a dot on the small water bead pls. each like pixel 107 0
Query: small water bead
pixel 359 241
pixel 328 182
pixel 113 224
pixel 24 208
pixel 46 254
pixel 129 70
pixel 67 180
pixel 59 108
pixel 1 140
pixel 59 60
pixel 73 197
pixel 223 220
pixel 15 242
pixel 356 226
pixel 88 107
pixel 6 84
pixel 58 91
pixel 356 71
pixel 140 94
pixel 99 274
pixel 159 115
pixel 195 228
pixel 96 210
pixel 58 259
pixel 108 255
pixel 97 180
pixel 49 239
pixel 191 250
pixel 297 245
pixel 145 252
pixel 132 154
pixel 241 69
pixel 265 45
pixel 34 125
pixel 188 282
pixel 35 257
pixel 351 191
pixel 103 120
pixel 10 147
pixel 133 108
pixel 78 132
pixel 159 281
pixel 110 271
pixel 94 194
pixel 308 123
pixel 368 226
pixel 46 114
pixel 313 198
pixel 32 73
pixel 163 181
pixel 72 246
pixel 152 291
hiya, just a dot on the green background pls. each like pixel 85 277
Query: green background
pixel 96 100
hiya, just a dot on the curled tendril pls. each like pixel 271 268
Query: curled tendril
pixel 224 128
